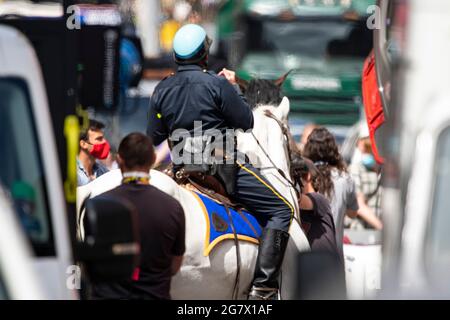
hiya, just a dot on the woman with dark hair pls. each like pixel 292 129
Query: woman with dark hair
pixel 333 182
pixel 317 220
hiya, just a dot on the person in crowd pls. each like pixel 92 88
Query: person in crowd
pixel 317 220
pixel 93 147
pixel 336 183
pixel 366 174
pixel 161 226
pixel 167 31
pixel 305 134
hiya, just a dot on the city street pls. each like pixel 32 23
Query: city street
pixel 195 150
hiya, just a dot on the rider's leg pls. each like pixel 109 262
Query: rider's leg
pixel 260 198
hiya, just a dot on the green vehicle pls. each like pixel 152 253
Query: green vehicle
pixel 323 42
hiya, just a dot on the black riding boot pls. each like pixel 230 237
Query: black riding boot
pixel 272 247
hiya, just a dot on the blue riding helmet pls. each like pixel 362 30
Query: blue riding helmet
pixel 190 42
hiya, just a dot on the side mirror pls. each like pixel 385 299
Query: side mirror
pixel 320 276
pixel 111 247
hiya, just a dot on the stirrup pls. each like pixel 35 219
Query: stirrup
pixel 263 294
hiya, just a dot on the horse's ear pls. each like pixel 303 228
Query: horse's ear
pixel 279 82
pixel 243 84
pixel 282 111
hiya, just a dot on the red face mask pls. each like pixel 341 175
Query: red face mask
pixel 101 150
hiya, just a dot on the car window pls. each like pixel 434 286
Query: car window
pixel 21 170
pixel 438 249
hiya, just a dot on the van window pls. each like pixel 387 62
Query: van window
pixel 21 170
pixel 438 249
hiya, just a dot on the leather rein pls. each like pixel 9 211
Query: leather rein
pixel 285 130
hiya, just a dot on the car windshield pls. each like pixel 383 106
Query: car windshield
pixel 312 37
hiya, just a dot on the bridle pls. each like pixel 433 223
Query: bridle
pixel 285 130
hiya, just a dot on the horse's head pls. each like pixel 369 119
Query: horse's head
pixel 262 91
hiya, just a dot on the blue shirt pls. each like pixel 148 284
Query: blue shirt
pixel 82 176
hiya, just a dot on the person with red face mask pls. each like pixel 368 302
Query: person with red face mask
pixel 93 147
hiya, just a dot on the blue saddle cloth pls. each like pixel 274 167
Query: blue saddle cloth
pixel 219 226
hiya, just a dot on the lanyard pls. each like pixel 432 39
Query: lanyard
pixel 136 177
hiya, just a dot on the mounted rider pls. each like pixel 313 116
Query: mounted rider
pixel 194 98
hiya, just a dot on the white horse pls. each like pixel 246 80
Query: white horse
pixel 214 276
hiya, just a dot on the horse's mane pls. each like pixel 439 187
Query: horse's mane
pixel 263 92
pixel 260 108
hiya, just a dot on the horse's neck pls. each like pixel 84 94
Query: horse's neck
pixel 269 155
pixel 281 182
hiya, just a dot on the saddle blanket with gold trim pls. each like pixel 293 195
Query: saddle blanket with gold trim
pixel 219 227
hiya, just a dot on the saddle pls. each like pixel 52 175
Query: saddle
pixel 204 183
pixel 210 184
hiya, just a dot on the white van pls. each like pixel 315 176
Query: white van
pixel 29 170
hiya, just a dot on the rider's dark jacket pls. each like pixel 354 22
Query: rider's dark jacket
pixel 195 94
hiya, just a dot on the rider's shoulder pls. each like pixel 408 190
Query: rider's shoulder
pixel 166 80
pixel 211 73
pixel 217 80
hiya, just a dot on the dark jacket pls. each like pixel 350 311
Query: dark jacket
pixel 194 94
pixel 161 236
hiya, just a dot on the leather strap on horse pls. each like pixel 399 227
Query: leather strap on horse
pixel 224 200
pixel 238 256
pixel 285 131
pixel 291 147
pixel 288 136
pixel 239 211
